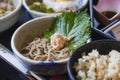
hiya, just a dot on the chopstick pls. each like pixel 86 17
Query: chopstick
pixel 36 76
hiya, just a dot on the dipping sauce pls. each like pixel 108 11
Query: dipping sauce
pixel 109 14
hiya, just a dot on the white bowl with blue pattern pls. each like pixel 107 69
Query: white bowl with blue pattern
pixel 25 34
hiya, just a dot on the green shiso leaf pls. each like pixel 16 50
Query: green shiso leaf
pixel 68 24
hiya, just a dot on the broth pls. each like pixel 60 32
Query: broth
pixel 109 14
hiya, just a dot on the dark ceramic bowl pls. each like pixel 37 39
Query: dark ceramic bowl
pixel 103 46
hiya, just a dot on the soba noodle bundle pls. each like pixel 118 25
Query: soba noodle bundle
pixel 40 49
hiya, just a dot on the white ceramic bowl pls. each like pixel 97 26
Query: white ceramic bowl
pixel 25 34
pixel 10 19
pixel 36 14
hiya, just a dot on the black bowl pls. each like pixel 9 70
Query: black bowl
pixel 103 46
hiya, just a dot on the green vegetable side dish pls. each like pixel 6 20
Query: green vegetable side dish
pixel 37 6
pixel 68 24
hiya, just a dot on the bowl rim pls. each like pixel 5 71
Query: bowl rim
pixel 93 42
pixel 49 14
pixel 17 8
pixel 18 54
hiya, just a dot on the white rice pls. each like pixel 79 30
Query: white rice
pixel 99 67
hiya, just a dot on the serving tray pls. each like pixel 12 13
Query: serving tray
pixel 7 58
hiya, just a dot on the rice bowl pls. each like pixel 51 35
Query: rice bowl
pixel 97 67
pixel 101 47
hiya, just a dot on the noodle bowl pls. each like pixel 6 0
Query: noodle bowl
pixel 35 52
pixel 32 31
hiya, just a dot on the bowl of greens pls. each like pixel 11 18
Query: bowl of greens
pixel 45 44
pixel 38 8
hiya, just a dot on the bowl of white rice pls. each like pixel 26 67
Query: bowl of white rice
pixel 98 60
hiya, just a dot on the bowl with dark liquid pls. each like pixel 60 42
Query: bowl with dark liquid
pixel 109 14
pixel 107 11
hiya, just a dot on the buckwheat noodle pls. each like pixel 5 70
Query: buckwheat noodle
pixel 40 50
